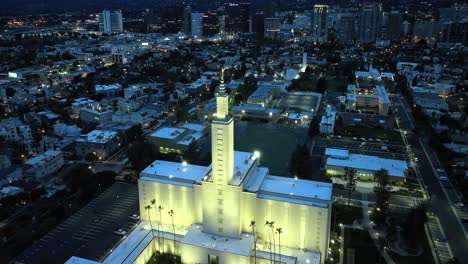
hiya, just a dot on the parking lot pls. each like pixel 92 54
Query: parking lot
pixel 89 233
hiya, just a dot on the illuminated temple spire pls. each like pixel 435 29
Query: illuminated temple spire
pixel 222 99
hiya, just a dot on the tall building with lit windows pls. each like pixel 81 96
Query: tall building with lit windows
pixel 214 207
pixel 110 22
pixel 319 22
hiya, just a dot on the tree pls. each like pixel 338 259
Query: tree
pixel 181 114
pixel 153 202
pixel 141 154
pixel 413 228
pixel 171 213
pixel 148 208
pixel 382 194
pixel 351 180
pixel 314 127
pixel 272 229
pixel 298 162
pixel 279 230
pixel 252 225
pixel 90 157
pixel 322 85
pixel 267 224
pixel 160 208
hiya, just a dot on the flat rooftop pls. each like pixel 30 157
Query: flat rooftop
pixel 239 246
pixel 168 132
pixel 174 173
pixel 395 168
pixel 98 136
pixel 296 188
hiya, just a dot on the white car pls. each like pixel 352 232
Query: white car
pixel 120 232
pixel 134 216
pixel 443 178
pixel 440 170
pixel 459 205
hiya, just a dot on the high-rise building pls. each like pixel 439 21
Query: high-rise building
pixel 455 13
pixel 237 18
pixel 320 22
pixel 428 30
pixel 258 24
pixel 302 21
pixel 394 26
pixel 347 27
pixel 210 24
pixel 110 22
pixel 197 25
pixel 272 27
pixel 187 21
pixel 370 20
pixel 170 19
pixel 455 32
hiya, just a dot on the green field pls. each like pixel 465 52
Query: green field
pixel 275 143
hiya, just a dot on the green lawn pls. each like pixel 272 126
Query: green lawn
pixel 368 132
pixel 275 143
pixel 365 252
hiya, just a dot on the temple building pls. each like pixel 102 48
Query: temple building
pixel 232 211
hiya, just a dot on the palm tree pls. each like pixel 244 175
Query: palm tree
pixel 148 207
pixel 351 180
pixel 279 230
pixel 171 213
pixel 160 208
pixel 252 225
pixel 272 229
pixel 267 223
pixel 153 202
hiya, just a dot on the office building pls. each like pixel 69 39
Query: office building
pixel 394 26
pixel 237 18
pixel 187 21
pixel 370 19
pixel 258 24
pixel 455 32
pixel 347 27
pixel 110 22
pixel 427 30
pixel 272 27
pixel 210 24
pixel 320 23
pixel 197 25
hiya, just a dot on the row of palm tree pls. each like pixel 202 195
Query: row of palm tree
pixel 271 234
pixel 158 211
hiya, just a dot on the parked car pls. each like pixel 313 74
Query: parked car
pixel 134 216
pixel 443 178
pixel 120 232
pixel 440 170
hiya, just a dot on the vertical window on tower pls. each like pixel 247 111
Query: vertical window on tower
pixel 220 220
pixel 220 192
pixel 220 201
pixel 219 131
pixel 220 141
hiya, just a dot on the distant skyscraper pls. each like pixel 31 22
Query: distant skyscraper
pixel 187 20
pixel 110 22
pixel 237 17
pixel 170 19
pixel 455 13
pixel 272 27
pixel 258 24
pixel 347 27
pixel 197 25
pixel 210 24
pixel 428 30
pixel 455 32
pixel 302 21
pixel 320 22
pixel 394 25
pixel 370 20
